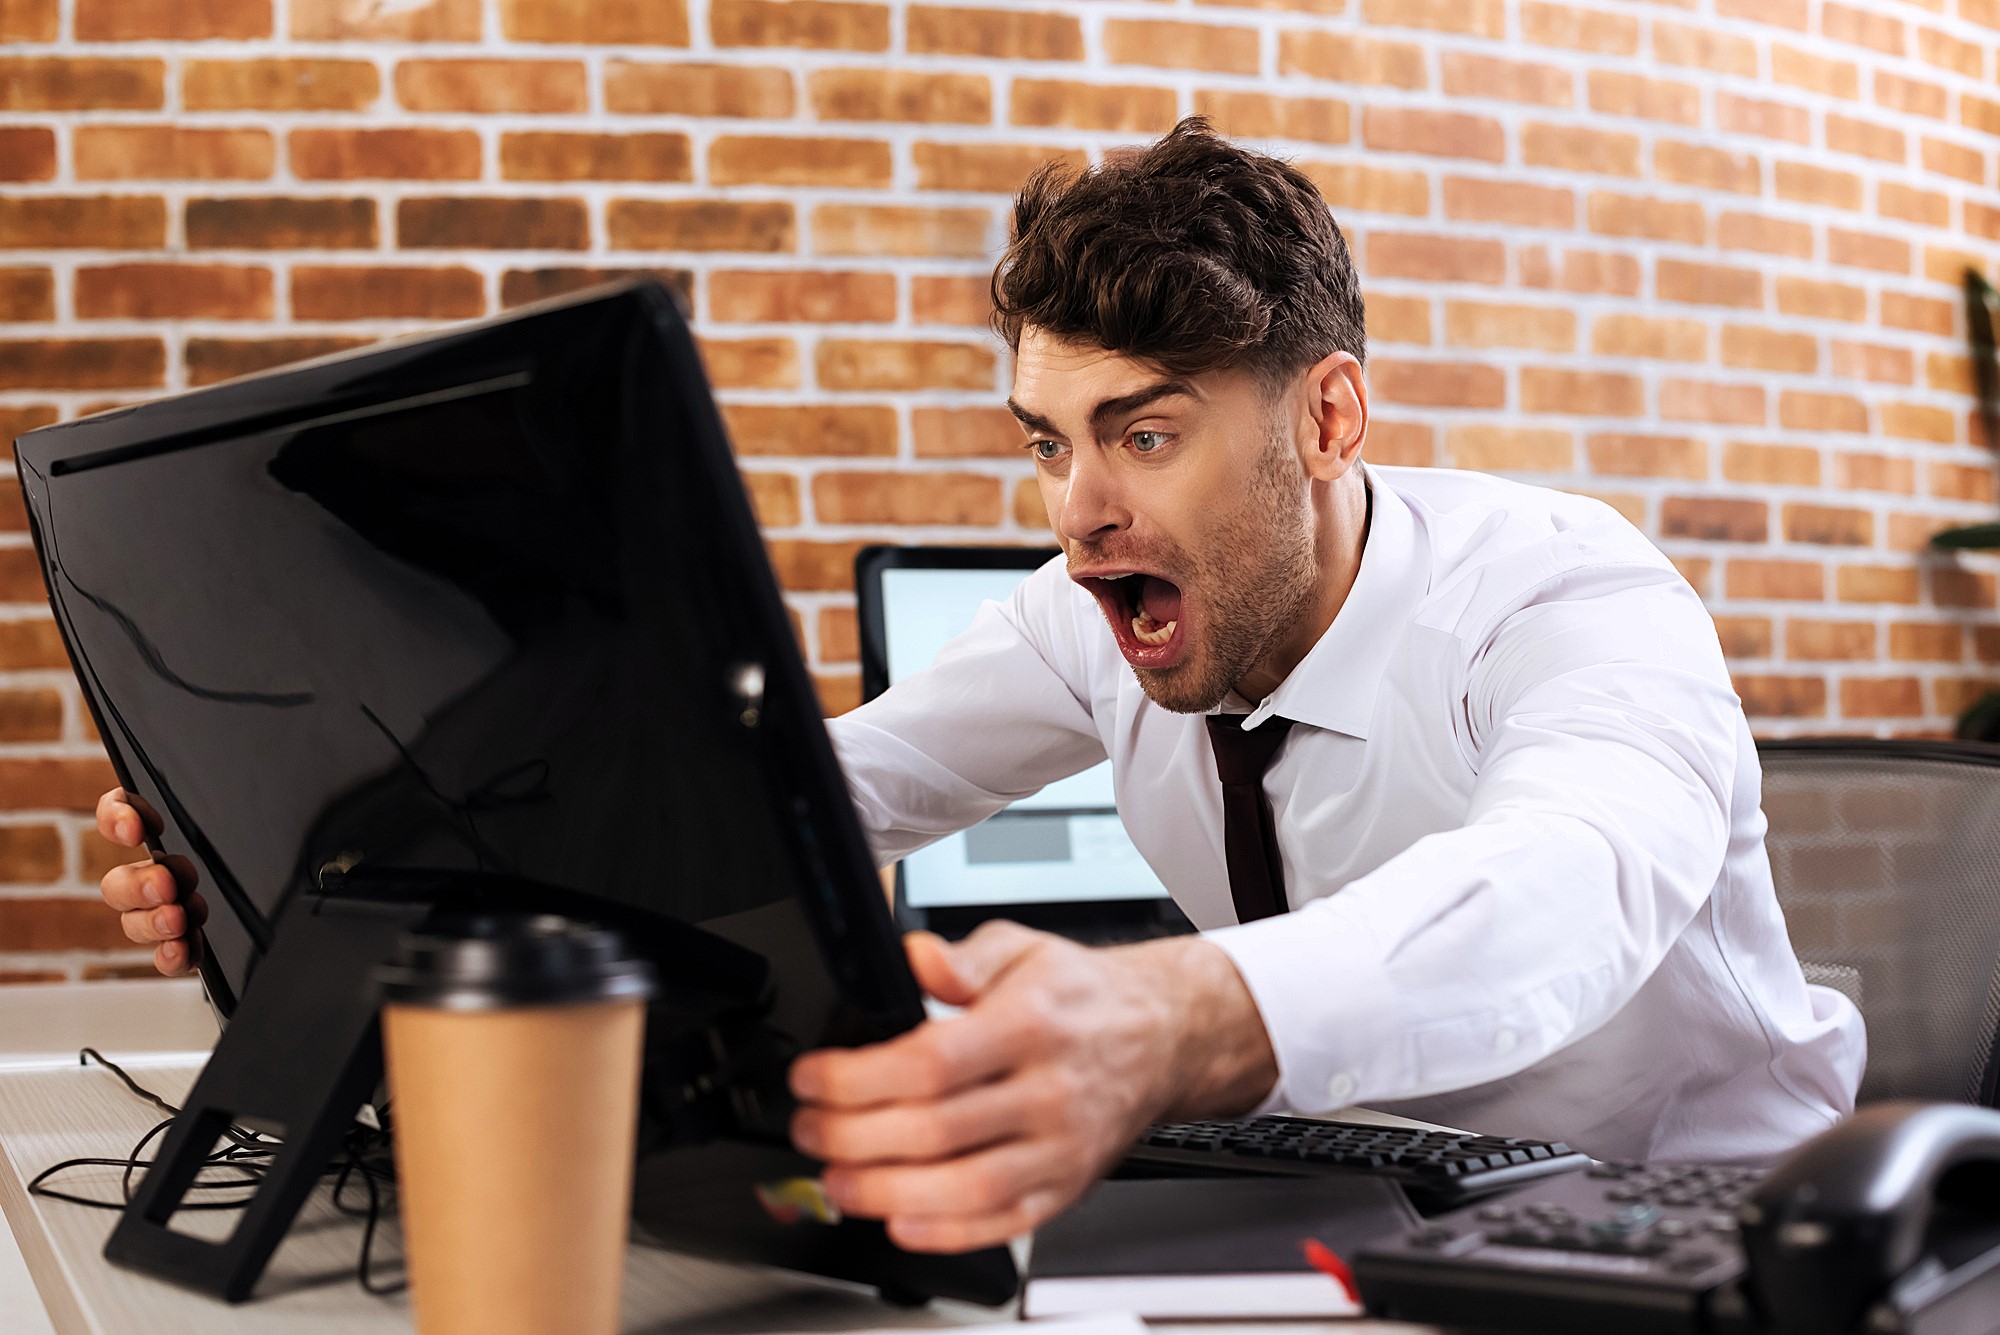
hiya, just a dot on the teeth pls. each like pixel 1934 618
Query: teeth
pixel 1148 631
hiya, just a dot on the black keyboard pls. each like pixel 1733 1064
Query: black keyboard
pixel 1438 1167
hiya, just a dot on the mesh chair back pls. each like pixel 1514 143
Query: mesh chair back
pixel 1887 861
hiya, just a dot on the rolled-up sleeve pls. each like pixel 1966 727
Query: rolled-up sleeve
pixel 1000 713
pixel 1602 730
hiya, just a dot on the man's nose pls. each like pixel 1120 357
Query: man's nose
pixel 1092 507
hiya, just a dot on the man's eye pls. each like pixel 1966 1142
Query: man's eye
pixel 1046 450
pixel 1145 442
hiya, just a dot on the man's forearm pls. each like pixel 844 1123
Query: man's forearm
pixel 1221 1062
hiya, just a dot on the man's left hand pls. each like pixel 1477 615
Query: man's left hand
pixel 972 1128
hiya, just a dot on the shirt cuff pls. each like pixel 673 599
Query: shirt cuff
pixel 1326 1002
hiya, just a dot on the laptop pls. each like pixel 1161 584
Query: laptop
pixel 1060 860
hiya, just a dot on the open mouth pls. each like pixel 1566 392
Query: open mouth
pixel 1145 614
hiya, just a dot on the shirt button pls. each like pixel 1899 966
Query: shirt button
pixel 1504 1041
pixel 1341 1088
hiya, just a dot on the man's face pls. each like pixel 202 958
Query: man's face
pixel 1182 505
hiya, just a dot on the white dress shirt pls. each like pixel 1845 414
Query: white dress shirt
pixel 1519 817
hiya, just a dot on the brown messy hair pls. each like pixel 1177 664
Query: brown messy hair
pixel 1191 254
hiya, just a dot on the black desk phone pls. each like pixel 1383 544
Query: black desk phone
pixel 1888 1224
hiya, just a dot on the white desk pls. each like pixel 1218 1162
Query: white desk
pixel 51 1109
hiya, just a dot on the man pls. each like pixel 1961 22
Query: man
pixel 1477 737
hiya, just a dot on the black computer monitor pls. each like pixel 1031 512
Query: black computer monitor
pixel 481 618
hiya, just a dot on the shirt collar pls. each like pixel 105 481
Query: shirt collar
pixel 1334 685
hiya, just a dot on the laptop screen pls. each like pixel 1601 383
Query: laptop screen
pixel 1065 844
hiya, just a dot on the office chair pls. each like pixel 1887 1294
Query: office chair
pixel 1886 856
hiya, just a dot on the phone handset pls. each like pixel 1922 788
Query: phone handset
pixel 1849 1218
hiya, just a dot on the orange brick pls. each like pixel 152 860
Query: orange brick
pixel 279 223
pixel 27 153
pixel 775 498
pixel 1846 134
pixel 26 294
pixel 1008 34
pixel 1770 236
pixel 1952 586
pixel 1825 301
pixel 174 291
pixel 402 153
pixel 1707 167
pixel 279 85
pixel 492 224
pixel 1680 220
pixel 809 23
pixel 1927 315
pixel 844 363
pixel 212 359
pixel 603 22
pixel 1626 455
pixel 1831 525
pixel 907 498
pixel 1954 695
pixel 849 430
pixel 1943 264
pixel 81 363
pixel 839 635
pixel 344 20
pixel 1352 186
pixel 961 299
pixel 59 923
pixel 518 86
pixel 1782 13
pixel 1913 533
pixel 1930 207
pixel 1592 30
pixel 1744 637
pixel 1449 134
pixel 559 155
pixel 1915 97
pixel 1881 697
pixel 1467 74
pixel 1400 319
pixel 1344 58
pixel 1623 335
pixel 1986 643
pixel 1950 53
pixel 1865 250
pixel 1708 284
pixel 29 20
pixel 1825 641
pixel 1777 465
pixel 1776 581
pixel 1864 27
pixel 1443 259
pixel 775 160
pixel 1803 183
pixel 700 224
pixel 519 286
pixel 1762 118
pixel 1580 148
pixel 1619 94
pixel 1518 202
pixel 635 89
pixel 1926 642
pixel 763 296
pixel 964 433
pixel 1725 53
pixel 1187 46
pixel 1758 349
pixel 171 20
pixel 1877 584
pixel 1548 389
pixel 990 168
pixel 1695 570
pixel 1265 116
pixel 17 420
pixel 1083 106
pixel 899 95
pixel 1873 361
pixel 837 694
pixel 1801 69
pixel 1438 384
pixel 806 566
pixel 1802 410
pixel 1782 696
pixel 888 229
pixel 1408 444
pixel 383 293
pixel 1962 482
pixel 1714 519
pixel 96 222
pixel 1580 271
pixel 1478 18
pixel 1493 448
pixel 751 363
pixel 170 152
pixel 1708 401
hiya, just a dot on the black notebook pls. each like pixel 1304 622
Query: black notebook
pixel 1212 1248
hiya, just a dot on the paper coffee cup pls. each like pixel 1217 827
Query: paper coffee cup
pixel 513 1047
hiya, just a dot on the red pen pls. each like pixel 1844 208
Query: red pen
pixel 1322 1258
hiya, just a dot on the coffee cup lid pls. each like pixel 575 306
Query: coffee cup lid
pixel 486 961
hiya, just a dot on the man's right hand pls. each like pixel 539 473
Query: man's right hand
pixel 154 907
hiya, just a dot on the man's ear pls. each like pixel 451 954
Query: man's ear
pixel 1337 404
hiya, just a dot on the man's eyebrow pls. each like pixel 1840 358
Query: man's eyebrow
pixel 1032 421
pixel 1109 409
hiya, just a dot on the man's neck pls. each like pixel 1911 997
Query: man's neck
pixel 1344 515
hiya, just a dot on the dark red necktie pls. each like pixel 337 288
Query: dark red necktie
pixel 1249 835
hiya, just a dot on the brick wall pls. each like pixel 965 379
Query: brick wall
pixel 1698 258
